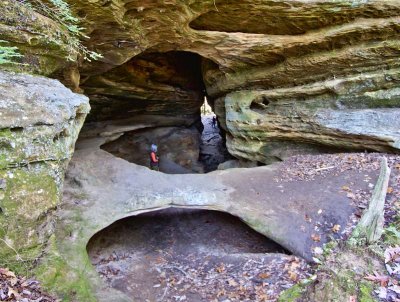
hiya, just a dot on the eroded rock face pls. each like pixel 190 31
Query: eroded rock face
pixel 42 41
pixel 341 114
pixel 287 77
pixel 168 84
pixel 39 123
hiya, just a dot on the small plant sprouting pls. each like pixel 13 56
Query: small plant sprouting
pixel 8 54
pixel 60 12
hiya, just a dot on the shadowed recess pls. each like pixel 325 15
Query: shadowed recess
pixel 134 254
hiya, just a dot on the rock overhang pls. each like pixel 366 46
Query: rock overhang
pixel 315 83
pixel 326 55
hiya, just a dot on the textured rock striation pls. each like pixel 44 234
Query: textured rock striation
pixel 40 121
pixel 286 77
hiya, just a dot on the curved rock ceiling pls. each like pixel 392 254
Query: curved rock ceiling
pixel 323 66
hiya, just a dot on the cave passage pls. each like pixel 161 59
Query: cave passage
pixel 143 255
pixel 162 106
pixel 213 149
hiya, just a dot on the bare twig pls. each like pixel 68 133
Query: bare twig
pixel 19 258
pixel 325 168
pixel 165 292
pixel 178 269
pixel 216 6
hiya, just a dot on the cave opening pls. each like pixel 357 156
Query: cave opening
pixel 187 252
pixel 156 98
pixel 213 150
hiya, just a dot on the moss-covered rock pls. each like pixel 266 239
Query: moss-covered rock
pixel 42 42
pixel 39 123
pixel 354 113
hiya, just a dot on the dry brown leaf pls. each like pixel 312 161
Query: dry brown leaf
pixel 389 190
pixel 232 282
pixel 264 275
pixel 381 279
pixel 12 292
pixel 7 273
pixel 292 276
pixel 263 298
pixel 316 237
pixel 346 188
pixel 392 253
pixel 220 269
pixel 336 228
pixel 351 195
pixel 353 299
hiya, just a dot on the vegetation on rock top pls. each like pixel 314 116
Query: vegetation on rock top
pixel 58 11
pixel 8 53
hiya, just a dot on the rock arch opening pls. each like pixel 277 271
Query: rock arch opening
pixel 197 254
pixel 155 98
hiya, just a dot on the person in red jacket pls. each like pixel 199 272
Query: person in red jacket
pixel 154 160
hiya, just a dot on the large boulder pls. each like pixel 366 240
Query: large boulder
pixel 40 121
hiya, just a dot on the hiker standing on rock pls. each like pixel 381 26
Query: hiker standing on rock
pixel 154 160
pixel 214 122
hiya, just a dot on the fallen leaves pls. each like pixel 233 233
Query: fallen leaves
pixel 220 269
pixel 392 254
pixel 352 299
pixel 14 288
pixel 264 275
pixel 293 276
pixel 389 289
pixel 346 188
pixel 232 282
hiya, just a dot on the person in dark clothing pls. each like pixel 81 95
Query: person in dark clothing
pixel 214 122
pixel 154 160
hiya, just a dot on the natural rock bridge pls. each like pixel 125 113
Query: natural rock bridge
pixel 101 189
pixel 286 79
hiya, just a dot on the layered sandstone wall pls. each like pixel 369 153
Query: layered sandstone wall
pixel 286 76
